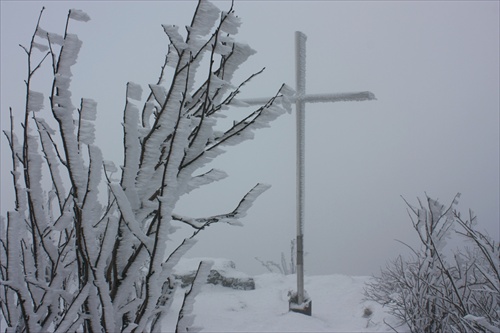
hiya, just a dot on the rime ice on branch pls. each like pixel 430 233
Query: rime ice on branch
pixel 87 265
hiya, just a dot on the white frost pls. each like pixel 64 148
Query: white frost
pixel 69 53
pixel 186 316
pixel 211 176
pixel 231 23
pixel 35 101
pixel 206 15
pixel 175 37
pixel 128 215
pixel 78 15
pixel 159 93
pixel 40 47
pixel 88 115
pixel 54 38
pixel 134 91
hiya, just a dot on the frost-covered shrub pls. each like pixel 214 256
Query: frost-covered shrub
pixel 286 267
pixel 430 293
pixel 73 262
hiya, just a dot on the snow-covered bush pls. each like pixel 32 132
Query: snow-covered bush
pixel 71 261
pixel 286 267
pixel 429 292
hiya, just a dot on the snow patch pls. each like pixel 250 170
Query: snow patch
pixel 338 305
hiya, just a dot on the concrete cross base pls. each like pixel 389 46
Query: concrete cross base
pixel 304 308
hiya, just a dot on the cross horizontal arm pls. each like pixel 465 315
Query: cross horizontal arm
pixel 320 98
pixel 339 97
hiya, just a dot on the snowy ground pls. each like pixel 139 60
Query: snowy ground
pixel 337 306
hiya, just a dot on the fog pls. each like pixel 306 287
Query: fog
pixel 434 128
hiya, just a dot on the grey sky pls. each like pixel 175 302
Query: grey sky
pixel 434 67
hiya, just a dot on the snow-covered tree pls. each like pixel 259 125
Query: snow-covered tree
pixel 71 261
pixel 432 293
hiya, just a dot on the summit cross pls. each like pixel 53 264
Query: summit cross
pixel 300 99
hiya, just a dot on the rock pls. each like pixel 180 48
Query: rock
pixel 223 273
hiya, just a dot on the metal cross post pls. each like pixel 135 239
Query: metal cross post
pixel 300 99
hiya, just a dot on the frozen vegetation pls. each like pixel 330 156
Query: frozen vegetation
pixel 72 261
pixel 442 289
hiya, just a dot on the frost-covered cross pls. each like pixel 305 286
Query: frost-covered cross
pixel 300 99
